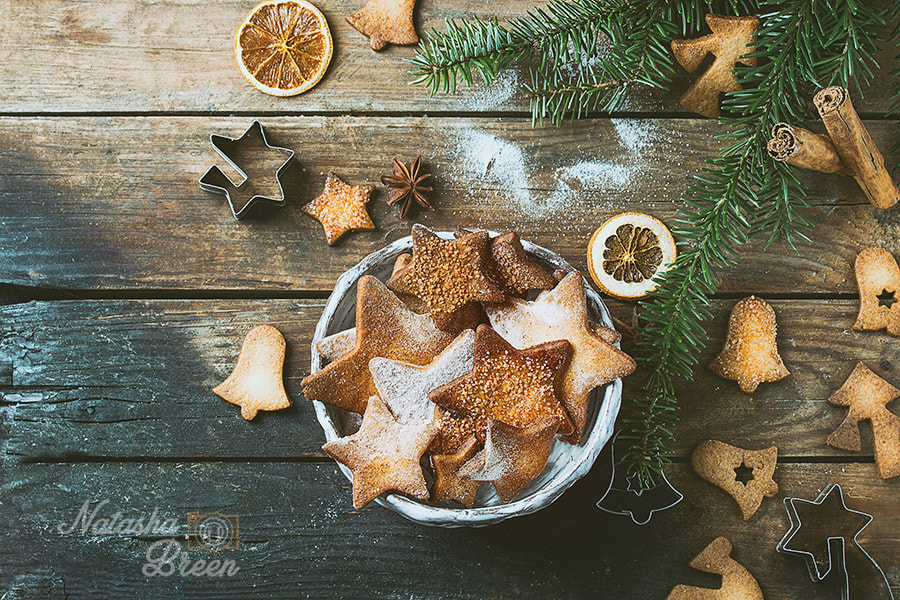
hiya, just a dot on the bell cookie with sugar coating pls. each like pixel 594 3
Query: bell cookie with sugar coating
pixel 737 582
pixel 448 485
pixel 512 456
pixel 256 383
pixel 386 22
pixel 728 42
pixel 878 280
pixel 561 313
pixel 385 327
pixel 518 387
pixel 341 208
pixel 750 354
pixel 447 275
pixel 867 395
pixel 718 463
pixel 383 455
pixel 404 388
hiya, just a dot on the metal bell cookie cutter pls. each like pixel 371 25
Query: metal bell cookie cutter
pixel 835 558
pixel 214 180
pixel 626 495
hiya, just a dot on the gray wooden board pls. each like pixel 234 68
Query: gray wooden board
pixel 178 55
pixel 113 203
pixel 300 537
pixel 132 379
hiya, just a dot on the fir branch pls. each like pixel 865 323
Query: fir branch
pixel 742 193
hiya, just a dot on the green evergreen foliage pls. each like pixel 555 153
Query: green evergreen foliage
pixel 588 55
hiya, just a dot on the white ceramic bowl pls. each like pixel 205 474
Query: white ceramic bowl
pixel 568 463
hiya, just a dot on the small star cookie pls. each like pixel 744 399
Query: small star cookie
pixel 384 327
pixel 256 382
pixel 383 455
pixel 386 22
pixel 448 485
pixel 512 456
pixel 404 387
pixel 341 208
pixel 447 275
pixel 558 314
pixel 516 386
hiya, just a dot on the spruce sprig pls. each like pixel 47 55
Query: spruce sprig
pixel 740 194
pixel 803 45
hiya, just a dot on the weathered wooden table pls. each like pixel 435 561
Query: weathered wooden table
pixel 126 292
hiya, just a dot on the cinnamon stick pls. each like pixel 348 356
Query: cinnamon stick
pixel 855 146
pixel 800 147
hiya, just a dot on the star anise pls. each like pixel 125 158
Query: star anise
pixel 405 185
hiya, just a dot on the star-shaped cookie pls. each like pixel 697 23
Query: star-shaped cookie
pixel 448 485
pixel 341 208
pixel 516 272
pixel 516 386
pixel 384 327
pixel 383 455
pixel 453 429
pixel 386 22
pixel 404 387
pixel 512 456
pixel 447 275
pixel 559 314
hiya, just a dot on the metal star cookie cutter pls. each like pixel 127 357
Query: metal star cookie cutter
pixel 846 566
pixel 626 495
pixel 214 180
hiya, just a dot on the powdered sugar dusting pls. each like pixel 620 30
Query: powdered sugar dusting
pixel 488 97
pixel 485 162
pixel 404 387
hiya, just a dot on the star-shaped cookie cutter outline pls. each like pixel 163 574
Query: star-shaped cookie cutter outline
pixel 832 542
pixel 214 180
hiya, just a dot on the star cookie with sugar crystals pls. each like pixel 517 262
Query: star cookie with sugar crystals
pixel 384 327
pixel 256 383
pixel 448 485
pixel 512 456
pixel 383 455
pixel 453 429
pixel 448 275
pixel 516 272
pixel 561 313
pixel 750 353
pixel 404 387
pixel 519 387
pixel 341 208
pixel 386 22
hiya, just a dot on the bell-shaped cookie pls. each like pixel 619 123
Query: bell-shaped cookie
pixel 750 354
pixel 721 464
pixel 878 279
pixel 256 382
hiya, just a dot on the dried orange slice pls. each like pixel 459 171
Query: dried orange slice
pixel 283 47
pixel 627 252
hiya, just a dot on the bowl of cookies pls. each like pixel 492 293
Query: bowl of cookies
pixel 463 378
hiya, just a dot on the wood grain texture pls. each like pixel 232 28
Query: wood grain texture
pixel 113 379
pixel 177 55
pixel 299 536
pixel 113 203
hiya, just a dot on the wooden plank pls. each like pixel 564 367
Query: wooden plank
pixel 299 534
pixel 113 203
pixel 116 379
pixel 177 55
